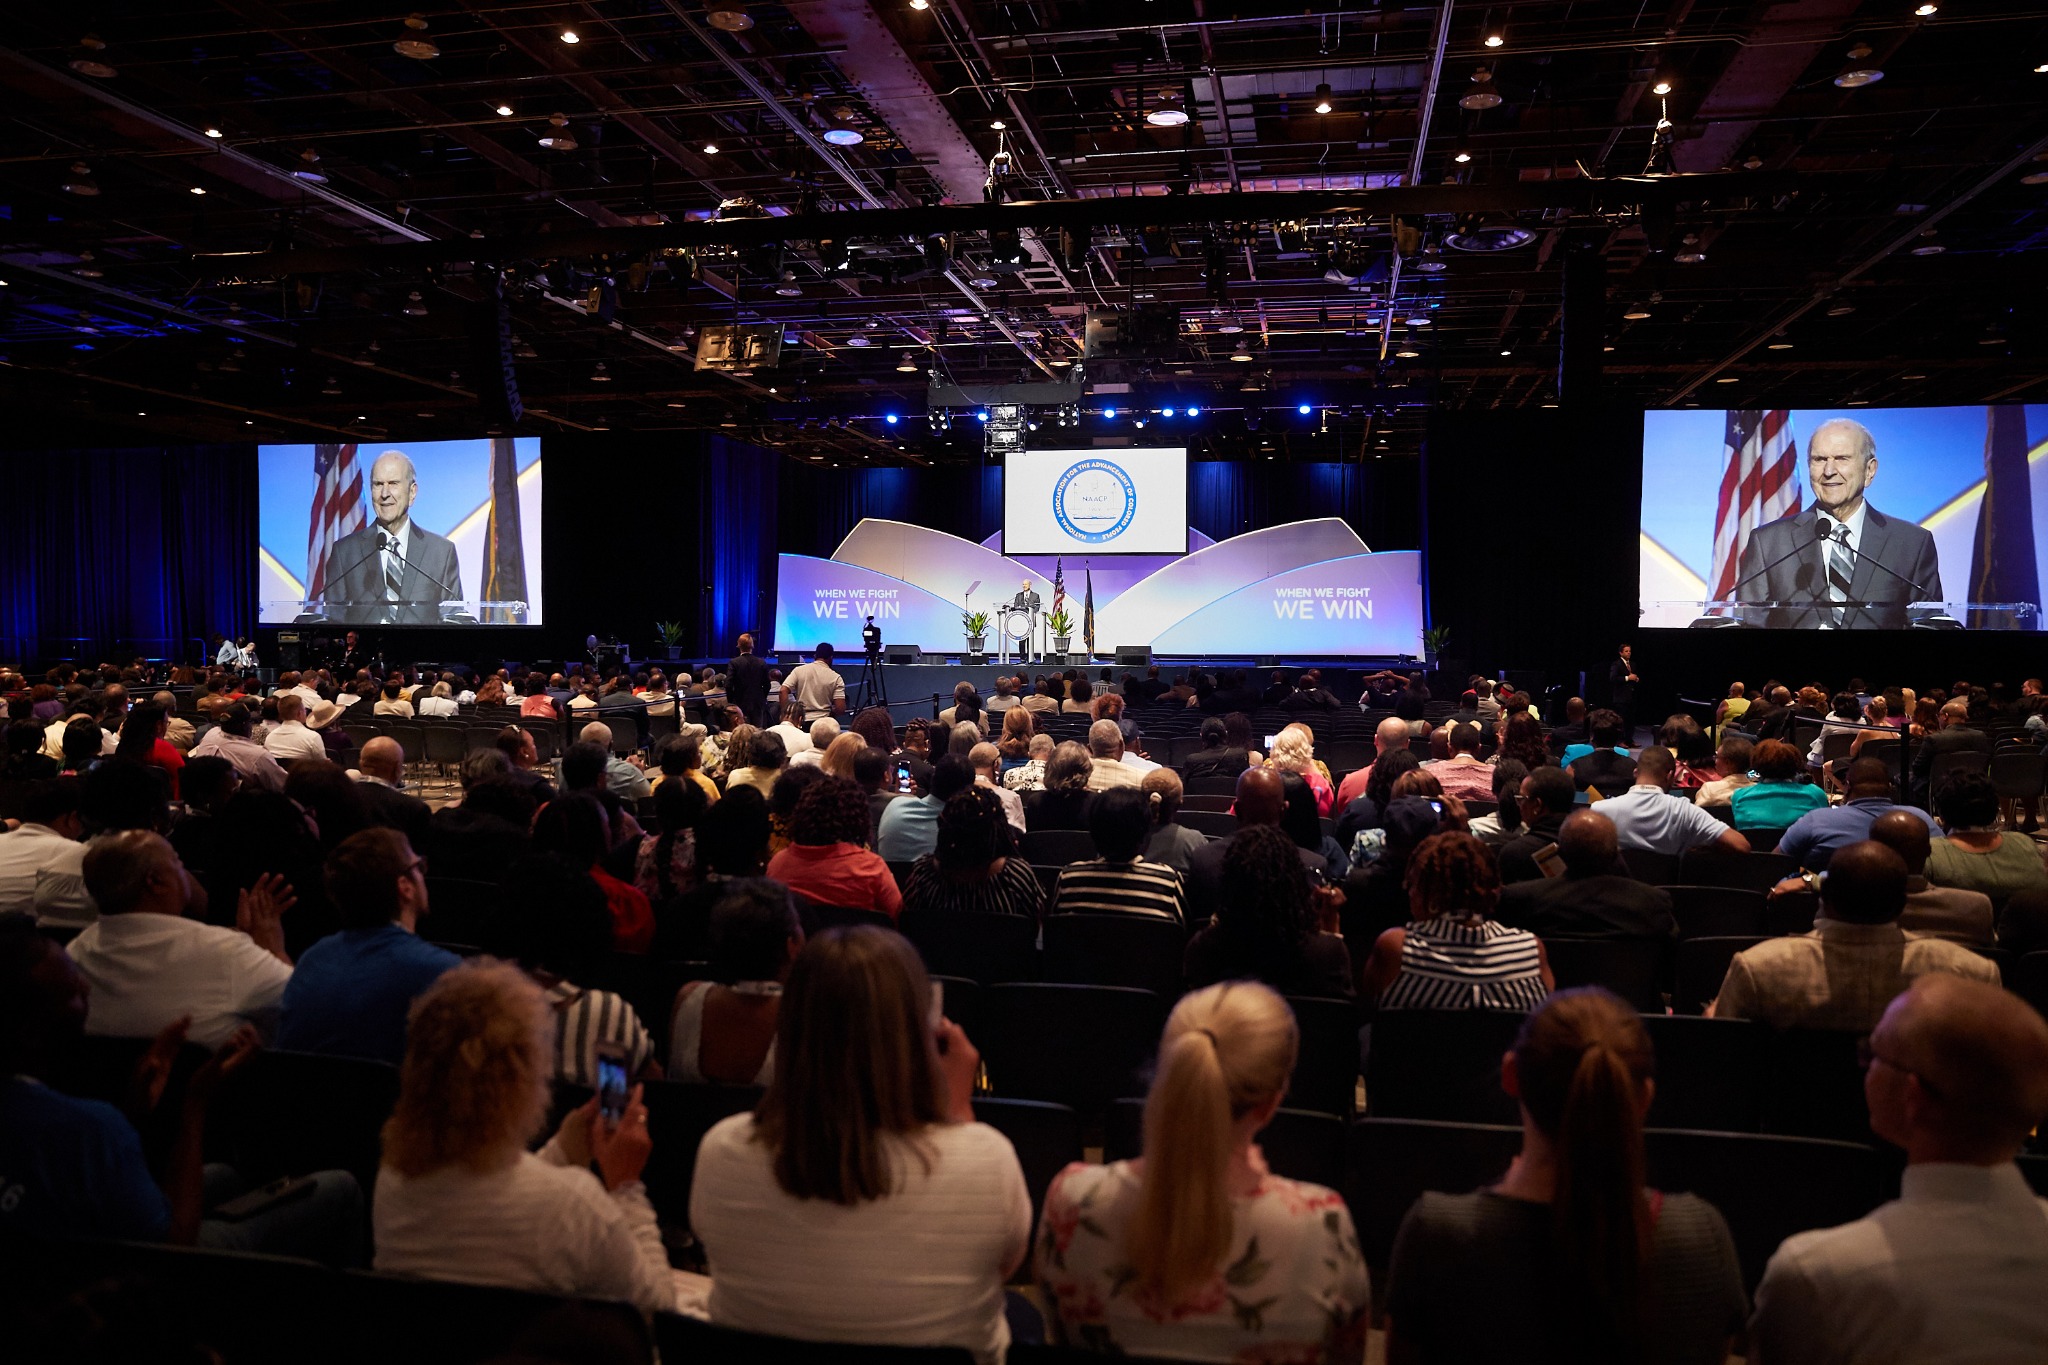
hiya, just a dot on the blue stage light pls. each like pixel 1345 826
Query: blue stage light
pixel 1194 412
pixel 1166 412
pixel 890 419
pixel 1109 413
pixel 1304 409
pixel 981 416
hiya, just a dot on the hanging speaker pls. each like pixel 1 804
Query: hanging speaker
pixel 490 336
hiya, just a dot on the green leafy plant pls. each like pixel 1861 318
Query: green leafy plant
pixel 1061 622
pixel 671 632
pixel 1436 639
pixel 974 622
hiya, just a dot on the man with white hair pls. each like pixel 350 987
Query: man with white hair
pixel 392 572
pixel 624 778
pixel 823 731
pixel 1106 754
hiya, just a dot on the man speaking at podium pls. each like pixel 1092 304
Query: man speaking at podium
pixel 392 572
pixel 1843 552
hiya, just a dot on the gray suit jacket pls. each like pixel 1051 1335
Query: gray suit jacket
pixel 357 596
pixel 1889 543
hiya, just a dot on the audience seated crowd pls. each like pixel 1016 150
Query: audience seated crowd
pixel 203 871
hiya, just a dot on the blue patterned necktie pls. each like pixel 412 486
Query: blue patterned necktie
pixel 1841 569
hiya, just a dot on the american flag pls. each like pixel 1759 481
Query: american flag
pixel 1759 483
pixel 1059 588
pixel 337 509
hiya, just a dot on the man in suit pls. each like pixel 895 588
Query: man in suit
pixel 1621 686
pixel 746 683
pixel 1843 551
pixel 1595 898
pixel 382 765
pixel 392 572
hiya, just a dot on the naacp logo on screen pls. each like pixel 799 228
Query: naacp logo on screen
pixel 1095 501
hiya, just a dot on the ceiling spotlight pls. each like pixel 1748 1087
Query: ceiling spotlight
pixel 503 110
pixel 1856 75
pixel 419 49
pixel 1495 38
pixel 198 189
pixel 727 16
pixel 415 306
pixel 1690 255
pixel 598 374
pixel 78 180
pixel 1242 355
pixel 1927 11
pixel 1929 249
pixel 1483 94
pixel 1406 351
pixel 308 168
pixel 1060 362
pixel 1637 312
pixel 332 388
pixel 789 289
pixel 920 4
pixel 90 64
pixel 1661 88
pixel 569 37
pixel 997 125
pixel 1323 105
pixel 1779 346
pixel 558 138
pixel 1169 112
pixel 711 149
pixel 1507 352
pixel 843 134
pixel 213 132
pixel 1729 379
pixel 1841 310
pixel 1461 156
pixel 2041 69
pixel 906 363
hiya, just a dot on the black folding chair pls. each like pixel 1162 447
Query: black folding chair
pixel 1076 1045
pixel 680 1338
pixel 1753 871
pixel 1056 847
pixel 1716 911
pixel 1636 969
pixel 1812 1085
pixel 1116 950
pixel 1702 966
pixel 1326 1068
pixel 984 948
pixel 1709 1072
pixel 1440 1064
pixel 293 1113
pixel 1394 1161
pixel 679 1114
pixel 1657 869
pixel 1047 1138
pixel 1214 824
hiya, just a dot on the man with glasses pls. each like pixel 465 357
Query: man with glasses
pixel 1956 1076
pixel 351 992
pixel 1842 975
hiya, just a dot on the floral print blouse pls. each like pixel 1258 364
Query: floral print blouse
pixel 1292 1290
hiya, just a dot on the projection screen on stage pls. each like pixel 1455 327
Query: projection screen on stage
pixel 1851 518
pixel 400 533
pixel 1108 501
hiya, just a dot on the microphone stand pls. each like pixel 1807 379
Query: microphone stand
pixel 376 547
pixel 1820 536
pixel 450 592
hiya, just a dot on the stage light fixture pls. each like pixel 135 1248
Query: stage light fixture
pixel 418 48
pixel 1169 112
pixel 1927 11
pixel 502 109
pixel 727 16
pixel 981 417
pixel 78 180
pixel 1109 414
pixel 1005 248
pixel 213 132
pixel 1637 312
pixel 1194 412
pixel 1856 75
pixel 1242 355
pixel 90 64
pixel 906 363
pixel 1166 412
pixel 1407 351
pixel 842 134
pixel 570 36
pixel 1495 38
pixel 835 254
pixel 1303 408
pixel 711 149
pixel 1484 94
pixel 1841 310
pixel 197 189
pixel 1323 105
pixel 920 4
pixel 1661 88
pixel 308 168
pixel 415 306
pixel 891 419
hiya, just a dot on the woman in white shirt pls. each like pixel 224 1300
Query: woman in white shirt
pixel 726 1034
pixel 440 701
pixel 391 703
pixel 861 1202
pixel 459 1196
pixel 1167 1255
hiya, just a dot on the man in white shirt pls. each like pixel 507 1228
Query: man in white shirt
pixel 229 739
pixel 42 863
pixel 822 732
pixel 987 762
pixel 177 729
pixel 296 684
pixel 820 689
pixel 1953 1269
pixel 292 738
pixel 1648 817
pixel 1106 754
pixel 1003 698
pixel 439 702
pixel 151 960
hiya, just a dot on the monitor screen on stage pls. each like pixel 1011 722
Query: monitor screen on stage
pixel 400 533
pixel 1108 501
pixel 1850 518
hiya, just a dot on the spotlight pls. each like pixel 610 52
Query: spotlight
pixel 419 49
pixel 79 181
pixel 198 189
pixel 1495 38
pixel 711 149
pixel 1166 412
pixel 1005 248
pixel 569 37
pixel 90 64
pixel 842 134
pixel 1323 105
pixel 1169 112
pixel 213 132
pixel 907 363
pixel 1109 414
pixel 1927 11
pixel 1303 408
pixel 1856 75
pixel 835 254
pixel 502 110
pixel 920 4
pixel 1462 155
pixel 1661 88
pixel 1637 312
pixel 728 16
pixel 1484 94
pixel 415 307
pixel 891 419
pixel 1242 355
pixel 308 168
pixel 1194 412
pixel 997 125
pixel 558 138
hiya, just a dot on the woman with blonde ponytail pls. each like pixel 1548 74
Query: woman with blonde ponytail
pixel 1196 1251
pixel 1580 1262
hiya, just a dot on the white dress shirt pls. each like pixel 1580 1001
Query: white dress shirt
pixel 43 873
pixel 252 760
pixel 1013 804
pixel 53 739
pixel 147 970
pixel 294 739
pixel 1950 1271
pixel 435 706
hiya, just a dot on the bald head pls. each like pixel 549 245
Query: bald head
pixel 1962 1071
pixel 1261 796
pixel 1588 844
pixel 598 733
pixel 1106 739
pixel 1866 884
pixel 1391 734
pixel 1905 834
pixel 382 758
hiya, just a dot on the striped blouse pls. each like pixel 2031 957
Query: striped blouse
pixel 1466 964
pixel 1139 887
pixel 586 1018
pixel 1013 891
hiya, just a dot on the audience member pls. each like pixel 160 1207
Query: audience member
pixel 460 1196
pixel 1949 912
pixel 909 828
pixel 1172 844
pixel 1646 817
pixel 381 791
pixel 731 844
pixel 1857 958
pixel 1780 794
pixel 828 861
pixel 349 993
pixel 1272 923
pixel 1580 1261
pixel 1976 855
pixel 986 760
pixel 1505 822
pixel 1452 954
pixel 665 865
pixel 229 739
pixel 1595 898
pixel 1604 766
pixel 816 687
pixel 861 1202
pixel 577 828
pixel 1063 802
pixel 42 862
pixel 625 778
pixel 1261 800
pixel 292 739
pixel 1732 758
pixel 1957 1078
pixel 1159 1256
pixel 1464 775
pixel 1545 800
pixel 725 1033
pixel 1814 836
pixel 754 760
pixel 1121 881
pixel 1107 768
pixel 1216 757
pixel 1957 734
pixel 517 744
pixel 975 867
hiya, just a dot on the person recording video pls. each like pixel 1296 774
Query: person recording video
pixel 392 572
pixel 1843 565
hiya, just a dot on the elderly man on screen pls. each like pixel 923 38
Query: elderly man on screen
pixel 1842 551
pixel 393 572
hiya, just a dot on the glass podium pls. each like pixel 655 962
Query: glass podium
pixel 315 611
pixel 1861 614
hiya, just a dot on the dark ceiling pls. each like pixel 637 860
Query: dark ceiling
pixel 1876 251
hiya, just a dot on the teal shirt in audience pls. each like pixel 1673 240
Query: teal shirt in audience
pixel 909 829
pixel 1775 805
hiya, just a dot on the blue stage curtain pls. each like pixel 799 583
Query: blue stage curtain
pixel 737 494
pixel 821 504
pixel 108 552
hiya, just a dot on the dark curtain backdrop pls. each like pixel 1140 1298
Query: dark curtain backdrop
pixel 1378 498
pixel 138 551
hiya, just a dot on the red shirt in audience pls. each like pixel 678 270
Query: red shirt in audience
pixel 838 874
pixel 632 916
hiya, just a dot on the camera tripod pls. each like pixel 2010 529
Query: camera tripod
pixel 874 687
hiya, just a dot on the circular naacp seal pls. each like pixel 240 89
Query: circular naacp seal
pixel 1095 501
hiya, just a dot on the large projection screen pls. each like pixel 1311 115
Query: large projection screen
pixel 400 533
pixel 1107 501
pixel 1945 511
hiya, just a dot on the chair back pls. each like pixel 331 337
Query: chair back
pixel 1702 964
pixel 680 1338
pixel 1056 847
pixel 984 948
pixel 1393 1162
pixel 294 1113
pixel 1440 1064
pixel 1812 1085
pixel 1656 869
pixel 1116 950
pixel 1636 969
pixel 1709 1072
pixel 679 1114
pixel 1957 761
pixel 1757 871
pixel 1326 1068
pixel 1076 1045
pixel 1716 911
pixel 1047 1138
pixel 1214 824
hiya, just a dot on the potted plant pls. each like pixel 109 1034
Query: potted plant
pixel 975 623
pixel 671 633
pixel 1062 626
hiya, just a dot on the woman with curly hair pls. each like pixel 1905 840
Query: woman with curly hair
pixel 1451 955
pixel 976 868
pixel 1269 924
pixel 1522 738
pixel 828 860
pixel 459 1196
